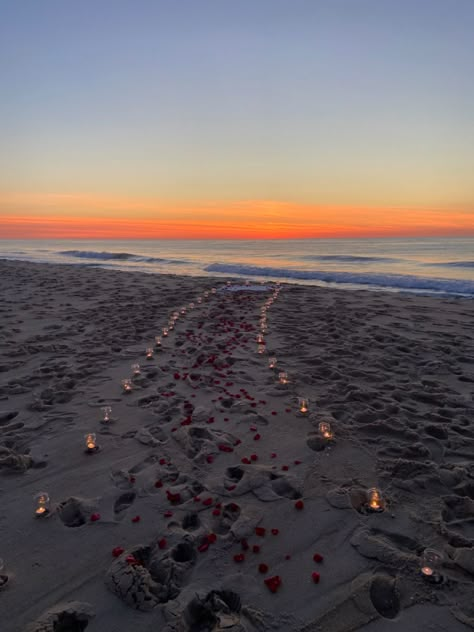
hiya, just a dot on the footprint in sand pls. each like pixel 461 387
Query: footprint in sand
pixel 124 501
pixel 69 617
pixel 145 577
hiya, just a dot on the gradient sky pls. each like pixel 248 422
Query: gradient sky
pixel 248 118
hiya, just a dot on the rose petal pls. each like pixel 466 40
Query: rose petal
pixel 262 568
pixel 162 543
pixel 317 557
pixel 118 551
pixel 299 504
pixel 316 577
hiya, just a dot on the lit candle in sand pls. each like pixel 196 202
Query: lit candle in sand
pixel 199 300
pixel 165 331
pixel 107 410
pixel 136 369
pixel 91 443
pixel 283 377
pixel 213 291
pixel 430 562
pixel 191 306
pixel 325 430
pixel 375 500
pixel 183 310
pixel 272 363
pixel 157 341
pixel 206 294
pixel 149 353
pixel 260 339
pixel 261 349
pixel 303 405
pixel 42 504
pixel 127 385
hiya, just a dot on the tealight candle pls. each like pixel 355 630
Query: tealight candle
pixel 136 369
pixel 127 385
pixel 213 290
pixel 272 363
pixel 157 341
pixel 164 331
pixel 375 501
pixel 206 294
pixel 283 377
pixel 91 443
pixel 107 410
pixel 261 349
pixel 183 310
pixel 430 562
pixel 260 339
pixel 303 405
pixel 42 504
pixel 191 306
pixel 171 326
pixel 149 353
pixel 199 300
pixel 325 430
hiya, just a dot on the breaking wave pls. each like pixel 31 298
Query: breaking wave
pixel 385 281
pixel 116 256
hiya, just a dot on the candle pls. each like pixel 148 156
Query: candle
pixel 135 369
pixel 91 444
pixel 199 300
pixel 127 385
pixel 206 294
pixel 375 499
pixel 42 504
pixel 213 290
pixel 272 363
pixel 430 562
pixel 149 353
pixel 157 341
pixel 283 377
pixel 191 306
pixel 325 430
pixel 261 349
pixel 303 405
pixel 260 339
pixel 183 310
pixel 107 410
pixel 164 331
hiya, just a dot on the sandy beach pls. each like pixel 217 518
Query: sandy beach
pixel 210 502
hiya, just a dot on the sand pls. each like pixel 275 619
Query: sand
pixel 212 503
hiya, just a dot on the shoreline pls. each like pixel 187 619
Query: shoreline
pixel 392 372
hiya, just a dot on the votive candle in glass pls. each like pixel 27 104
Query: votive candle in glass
pixel 42 504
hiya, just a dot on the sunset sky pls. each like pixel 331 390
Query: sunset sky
pixel 250 118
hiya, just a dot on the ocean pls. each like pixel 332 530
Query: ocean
pixel 442 266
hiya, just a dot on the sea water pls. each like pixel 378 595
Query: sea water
pixel 421 265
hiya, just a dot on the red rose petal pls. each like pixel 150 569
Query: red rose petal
pixel 316 577
pixel 256 548
pixel 285 468
pixel 168 514
pixel 211 537
pixel 262 568
pixel 216 512
pixel 95 517
pixel 275 531
pixel 162 543
pixel 239 557
pixel 299 504
pixel 317 557
pixel 244 544
pixel 210 458
pixel 136 519
pixel 253 457
pixel 158 484
pixel 118 551
pixel 256 437
pixel 260 531
pixel 207 502
pixel 202 548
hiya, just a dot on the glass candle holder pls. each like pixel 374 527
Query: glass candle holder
pixel 42 504
pixel 375 500
pixel 303 405
pixel 261 349
pixel 283 377
pixel 183 310
pixel 272 362
pixel 127 385
pixel 326 431
pixel 214 290
pixel 199 300
pixel 136 369
pixel 91 442
pixel 431 561
pixel 260 339
pixel 206 294
pixel 191 305
pixel 164 332
pixel 149 353
pixel 157 341
pixel 107 411
pixel 171 326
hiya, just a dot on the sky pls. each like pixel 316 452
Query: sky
pixel 217 118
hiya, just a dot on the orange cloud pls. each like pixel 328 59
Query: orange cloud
pixel 61 216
